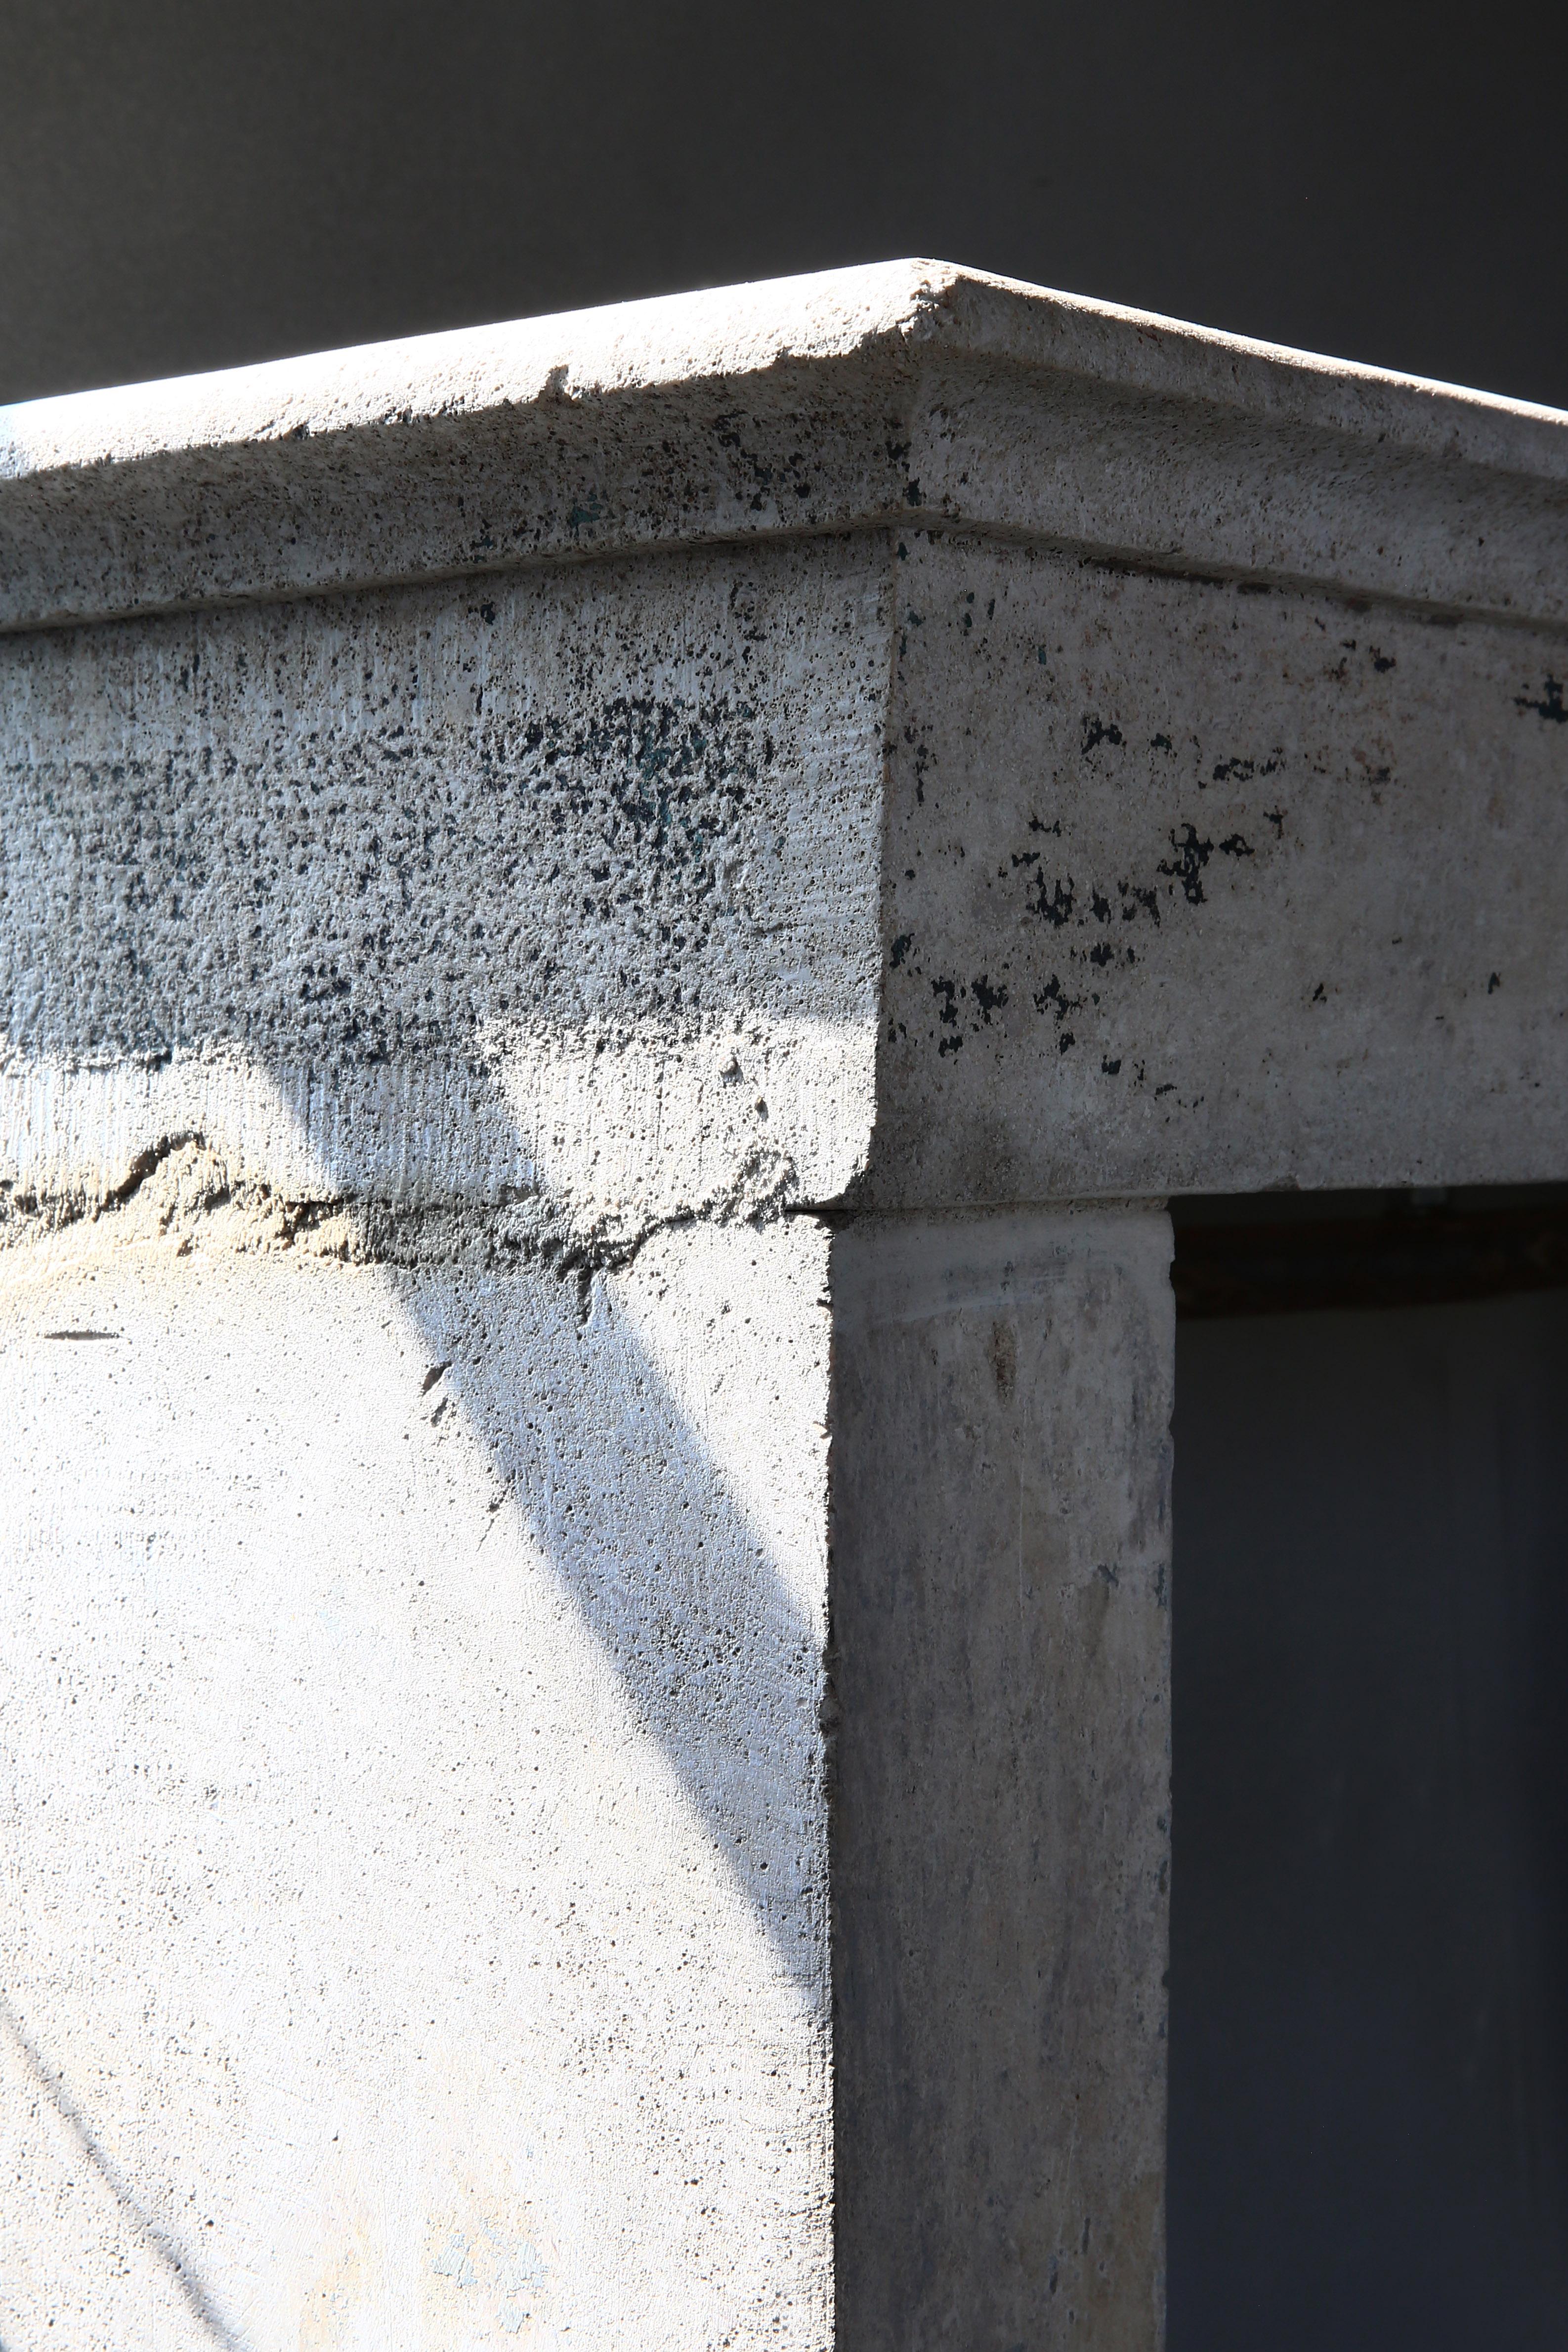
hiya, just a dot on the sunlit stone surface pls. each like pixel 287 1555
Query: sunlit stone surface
pixel 613 932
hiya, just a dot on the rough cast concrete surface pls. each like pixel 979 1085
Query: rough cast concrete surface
pixel 614 933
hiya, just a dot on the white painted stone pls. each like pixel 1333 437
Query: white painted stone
pixel 533 863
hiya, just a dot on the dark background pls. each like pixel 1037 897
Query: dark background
pixel 1369 1923
pixel 1369 1981
pixel 192 184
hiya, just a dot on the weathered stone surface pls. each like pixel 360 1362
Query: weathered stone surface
pixel 806 404
pixel 1193 887
pixel 416 1896
pixel 1002 1553
pixel 567 878
pixel 532 864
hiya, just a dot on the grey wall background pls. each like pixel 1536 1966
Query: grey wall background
pixel 184 185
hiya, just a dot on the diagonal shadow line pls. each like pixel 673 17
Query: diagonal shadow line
pixel 655 772
pixel 711 1660
pixel 708 1653
pixel 198 2299
pixel 120 883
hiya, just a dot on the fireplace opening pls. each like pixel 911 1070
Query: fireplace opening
pixel 1368 2138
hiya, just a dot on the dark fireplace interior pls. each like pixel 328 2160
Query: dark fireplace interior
pixel 1369 1969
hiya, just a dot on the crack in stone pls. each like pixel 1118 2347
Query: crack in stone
pixel 180 1188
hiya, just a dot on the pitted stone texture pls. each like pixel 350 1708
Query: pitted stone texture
pixel 419 1810
pixel 460 877
pixel 815 404
pixel 415 1928
pixel 1001 1466
pixel 1190 885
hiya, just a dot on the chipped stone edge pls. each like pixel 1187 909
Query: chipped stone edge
pixel 732 332
pixel 845 400
pixel 182 1192
pixel 576 1148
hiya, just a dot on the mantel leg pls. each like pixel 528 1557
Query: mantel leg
pixel 1001 1464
